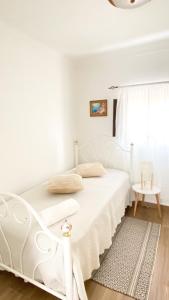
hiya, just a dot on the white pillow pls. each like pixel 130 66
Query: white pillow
pixel 95 169
pixel 58 212
pixel 65 184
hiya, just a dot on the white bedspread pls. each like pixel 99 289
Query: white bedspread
pixel 102 205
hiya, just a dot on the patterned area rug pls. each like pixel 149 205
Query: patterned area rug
pixel 127 266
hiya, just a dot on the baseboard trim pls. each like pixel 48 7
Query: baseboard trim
pixel 152 204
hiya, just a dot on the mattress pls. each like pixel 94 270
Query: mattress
pixel 102 205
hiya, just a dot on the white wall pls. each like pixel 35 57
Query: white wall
pixel 37 93
pixel 95 73
pixel 36 113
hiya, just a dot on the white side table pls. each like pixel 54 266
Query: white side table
pixel 141 193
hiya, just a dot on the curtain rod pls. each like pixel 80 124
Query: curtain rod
pixel 138 84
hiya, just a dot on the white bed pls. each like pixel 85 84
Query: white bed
pixel 102 205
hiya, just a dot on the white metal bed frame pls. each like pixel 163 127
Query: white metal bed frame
pixel 111 142
pixel 65 241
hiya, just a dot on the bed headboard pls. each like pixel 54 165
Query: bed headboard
pixel 107 150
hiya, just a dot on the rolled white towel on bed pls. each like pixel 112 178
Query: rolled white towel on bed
pixel 58 212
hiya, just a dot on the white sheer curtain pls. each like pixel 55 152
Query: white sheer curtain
pixel 143 118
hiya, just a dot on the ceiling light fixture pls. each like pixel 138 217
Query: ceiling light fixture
pixel 128 3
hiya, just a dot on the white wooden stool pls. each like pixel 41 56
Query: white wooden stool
pixel 141 193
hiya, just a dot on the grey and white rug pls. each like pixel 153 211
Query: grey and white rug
pixel 127 266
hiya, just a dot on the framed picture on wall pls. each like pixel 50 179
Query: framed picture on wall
pixel 98 108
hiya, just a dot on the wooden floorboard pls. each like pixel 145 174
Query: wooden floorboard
pixel 12 288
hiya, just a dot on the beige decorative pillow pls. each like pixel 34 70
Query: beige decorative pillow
pixel 95 169
pixel 65 184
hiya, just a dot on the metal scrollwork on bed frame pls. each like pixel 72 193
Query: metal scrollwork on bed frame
pixel 107 150
pixel 12 205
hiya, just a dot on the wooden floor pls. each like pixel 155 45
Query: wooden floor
pixel 12 288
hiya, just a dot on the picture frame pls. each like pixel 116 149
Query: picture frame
pixel 98 108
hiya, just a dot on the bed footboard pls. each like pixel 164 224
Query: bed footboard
pixel 16 215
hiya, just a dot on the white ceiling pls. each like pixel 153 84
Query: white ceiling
pixel 86 26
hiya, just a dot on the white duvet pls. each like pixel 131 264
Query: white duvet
pixel 102 205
